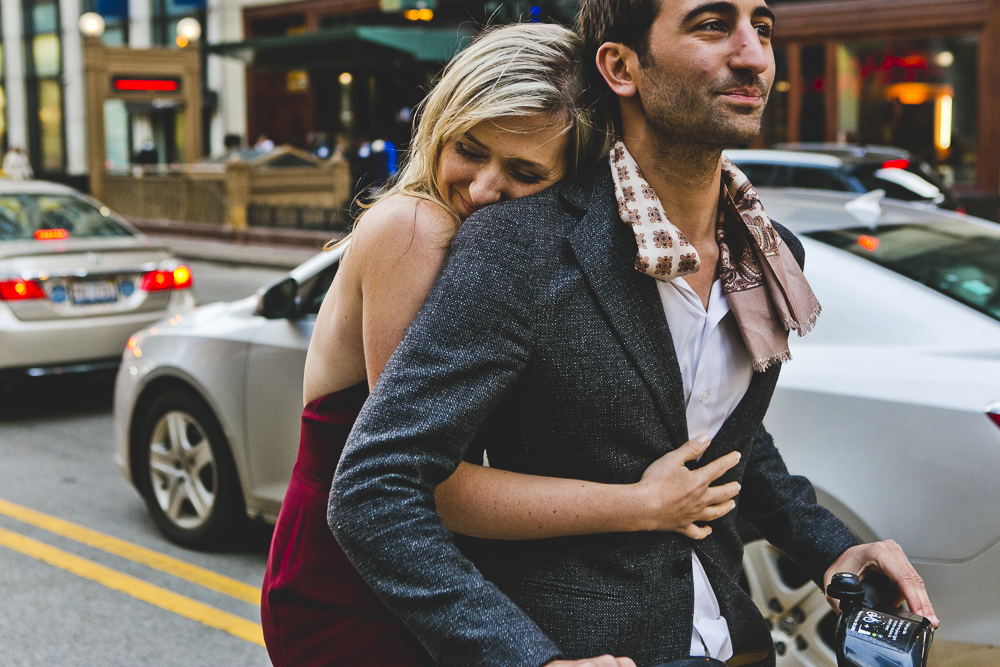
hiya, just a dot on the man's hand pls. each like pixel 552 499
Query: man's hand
pixel 677 496
pixel 603 661
pixel 888 558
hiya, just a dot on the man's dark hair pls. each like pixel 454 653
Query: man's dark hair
pixel 627 22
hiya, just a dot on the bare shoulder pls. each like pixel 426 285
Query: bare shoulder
pixel 403 225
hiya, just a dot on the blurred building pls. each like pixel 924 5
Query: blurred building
pixel 345 75
pixel 909 73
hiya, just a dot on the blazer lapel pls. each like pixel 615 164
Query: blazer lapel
pixel 605 249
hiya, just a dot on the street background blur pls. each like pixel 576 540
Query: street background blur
pixel 237 134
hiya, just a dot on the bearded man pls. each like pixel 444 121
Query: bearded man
pixel 639 306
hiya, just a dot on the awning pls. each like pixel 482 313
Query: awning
pixel 347 47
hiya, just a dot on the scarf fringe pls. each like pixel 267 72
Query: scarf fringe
pixel 761 365
pixel 805 327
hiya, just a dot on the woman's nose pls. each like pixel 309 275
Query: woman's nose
pixel 486 188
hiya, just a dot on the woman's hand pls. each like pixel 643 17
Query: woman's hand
pixel 677 497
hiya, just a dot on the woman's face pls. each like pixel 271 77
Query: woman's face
pixel 501 159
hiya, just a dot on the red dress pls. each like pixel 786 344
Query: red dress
pixel 315 608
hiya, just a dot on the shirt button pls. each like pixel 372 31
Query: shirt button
pixel 697 618
pixel 704 397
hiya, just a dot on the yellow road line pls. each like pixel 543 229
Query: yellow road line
pixel 137 588
pixel 112 545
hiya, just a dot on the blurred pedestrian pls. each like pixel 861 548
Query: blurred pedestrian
pixel 16 165
pixel 263 143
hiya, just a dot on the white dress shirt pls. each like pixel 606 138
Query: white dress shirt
pixel 715 367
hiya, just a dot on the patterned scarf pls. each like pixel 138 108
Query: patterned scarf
pixel 764 286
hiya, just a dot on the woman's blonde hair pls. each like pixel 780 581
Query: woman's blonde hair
pixel 511 71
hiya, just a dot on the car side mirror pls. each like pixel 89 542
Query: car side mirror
pixel 279 300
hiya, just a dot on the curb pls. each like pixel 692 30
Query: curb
pixel 272 248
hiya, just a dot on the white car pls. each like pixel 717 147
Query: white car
pixel 75 281
pixel 886 406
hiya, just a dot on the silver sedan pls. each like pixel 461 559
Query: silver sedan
pixel 888 406
pixel 75 282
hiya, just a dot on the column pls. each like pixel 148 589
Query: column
pixel 140 29
pixel 73 94
pixel 13 52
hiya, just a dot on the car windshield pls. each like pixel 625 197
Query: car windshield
pixel 958 259
pixel 900 184
pixel 54 216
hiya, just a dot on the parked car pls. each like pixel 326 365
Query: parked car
pixel 75 282
pixel 846 168
pixel 882 407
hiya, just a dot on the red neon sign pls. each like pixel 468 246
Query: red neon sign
pixel 148 85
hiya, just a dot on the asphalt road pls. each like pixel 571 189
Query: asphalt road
pixel 68 595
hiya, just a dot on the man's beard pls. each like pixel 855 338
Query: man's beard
pixel 681 114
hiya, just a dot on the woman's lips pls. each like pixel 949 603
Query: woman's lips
pixel 467 208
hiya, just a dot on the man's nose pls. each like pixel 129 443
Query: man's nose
pixel 486 188
pixel 749 54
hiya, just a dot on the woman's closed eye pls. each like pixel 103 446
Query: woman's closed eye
pixel 462 150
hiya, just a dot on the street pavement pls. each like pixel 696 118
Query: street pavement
pixel 83 578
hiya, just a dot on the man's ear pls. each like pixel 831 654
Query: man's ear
pixel 617 64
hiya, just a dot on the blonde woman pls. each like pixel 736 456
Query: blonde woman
pixel 503 122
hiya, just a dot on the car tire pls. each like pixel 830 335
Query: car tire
pixel 802 623
pixel 185 471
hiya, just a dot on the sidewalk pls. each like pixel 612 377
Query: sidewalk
pixel 265 247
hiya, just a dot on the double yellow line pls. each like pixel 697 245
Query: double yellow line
pixel 132 586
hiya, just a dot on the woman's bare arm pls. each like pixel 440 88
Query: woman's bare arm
pixel 401 246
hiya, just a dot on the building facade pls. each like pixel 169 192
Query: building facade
pixel 910 73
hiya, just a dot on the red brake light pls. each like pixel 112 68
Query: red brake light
pixel 992 411
pixel 155 281
pixel 896 164
pixel 182 277
pixel 869 243
pixel 960 209
pixel 51 234
pixel 19 290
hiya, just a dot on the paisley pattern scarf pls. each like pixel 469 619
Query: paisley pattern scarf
pixel 764 285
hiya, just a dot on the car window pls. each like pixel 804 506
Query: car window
pixel 958 259
pixel 900 184
pixel 761 175
pixel 46 217
pixel 818 178
pixel 312 292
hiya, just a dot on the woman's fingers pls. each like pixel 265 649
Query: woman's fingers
pixel 696 532
pixel 713 512
pixel 693 449
pixel 717 495
pixel 720 466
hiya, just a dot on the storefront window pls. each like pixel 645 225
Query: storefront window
pixel 812 119
pixel 776 116
pixel 915 94
pixel 115 15
pixel 166 15
pixel 43 69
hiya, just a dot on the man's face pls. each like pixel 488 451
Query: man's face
pixel 708 71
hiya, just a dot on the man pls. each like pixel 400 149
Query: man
pixel 582 333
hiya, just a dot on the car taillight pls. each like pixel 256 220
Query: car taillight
pixel 51 234
pixel 182 277
pixel 155 281
pixel 18 290
pixel 896 164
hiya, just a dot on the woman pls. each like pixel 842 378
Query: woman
pixel 502 123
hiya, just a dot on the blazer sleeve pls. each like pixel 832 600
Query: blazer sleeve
pixel 783 508
pixel 469 343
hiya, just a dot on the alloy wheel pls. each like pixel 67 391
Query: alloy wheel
pixel 183 470
pixel 795 609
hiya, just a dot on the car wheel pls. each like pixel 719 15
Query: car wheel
pixel 185 471
pixel 801 621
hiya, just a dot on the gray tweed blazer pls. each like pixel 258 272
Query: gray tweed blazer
pixel 542 344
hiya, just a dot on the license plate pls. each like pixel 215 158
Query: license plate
pixel 101 291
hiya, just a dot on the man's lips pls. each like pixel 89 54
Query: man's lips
pixel 744 94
